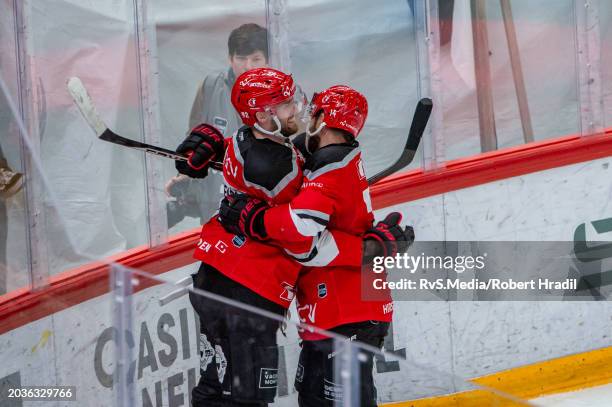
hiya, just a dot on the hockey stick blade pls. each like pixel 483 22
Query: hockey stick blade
pixel 88 111
pixel 83 101
pixel 112 137
pixel 417 128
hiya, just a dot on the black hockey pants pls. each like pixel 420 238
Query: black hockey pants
pixel 315 381
pixel 238 352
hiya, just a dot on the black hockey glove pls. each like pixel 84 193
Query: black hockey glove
pixel 204 144
pixel 390 236
pixel 242 215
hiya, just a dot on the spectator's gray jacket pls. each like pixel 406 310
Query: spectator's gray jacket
pixel 212 104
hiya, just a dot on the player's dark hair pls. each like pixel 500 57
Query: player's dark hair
pixel 348 137
pixel 248 38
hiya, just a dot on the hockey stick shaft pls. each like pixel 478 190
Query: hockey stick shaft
pixel 88 111
pixel 417 128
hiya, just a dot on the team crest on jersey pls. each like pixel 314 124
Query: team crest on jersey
pixel 239 241
pixel 322 289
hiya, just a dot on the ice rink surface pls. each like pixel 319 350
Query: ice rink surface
pixel 600 396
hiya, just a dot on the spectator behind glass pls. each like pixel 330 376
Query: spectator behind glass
pixel 247 49
pixel 10 183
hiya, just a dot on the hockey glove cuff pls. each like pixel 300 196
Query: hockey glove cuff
pixel 390 236
pixel 204 144
pixel 242 215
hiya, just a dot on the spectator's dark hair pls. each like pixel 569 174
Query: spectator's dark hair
pixel 248 38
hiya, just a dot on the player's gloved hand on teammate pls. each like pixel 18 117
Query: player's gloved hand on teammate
pixel 389 236
pixel 242 215
pixel 204 144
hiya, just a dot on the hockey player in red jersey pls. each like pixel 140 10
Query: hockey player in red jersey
pixel 239 361
pixel 238 349
pixel 334 196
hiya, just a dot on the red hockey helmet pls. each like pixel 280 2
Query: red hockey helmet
pixel 259 88
pixel 344 108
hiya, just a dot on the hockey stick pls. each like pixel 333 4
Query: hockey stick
pixel 88 111
pixel 419 122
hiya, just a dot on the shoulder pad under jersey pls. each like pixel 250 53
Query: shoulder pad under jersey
pixel 266 164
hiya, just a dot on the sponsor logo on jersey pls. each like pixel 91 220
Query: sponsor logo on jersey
pixel 239 241
pixel 312 184
pixel 204 245
pixel 268 378
pixel 311 313
pixel 227 164
pixel 387 308
pixel 322 290
pixel 221 246
pixel 288 293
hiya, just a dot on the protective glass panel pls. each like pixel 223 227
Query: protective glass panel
pixel 56 353
pixel 333 43
pixel 175 334
pixel 183 345
pixel 14 269
pixel 402 378
pixel 506 73
pixel 196 74
pixel 98 187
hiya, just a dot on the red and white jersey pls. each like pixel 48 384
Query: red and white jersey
pixel 334 196
pixel 270 171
